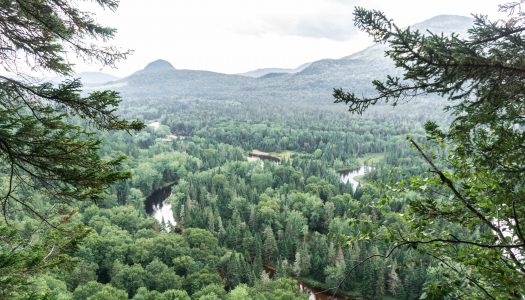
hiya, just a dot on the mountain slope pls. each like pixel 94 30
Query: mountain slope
pixel 160 79
pixel 314 83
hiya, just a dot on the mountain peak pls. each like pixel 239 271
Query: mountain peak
pixel 159 65
pixel 448 19
pixel 446 24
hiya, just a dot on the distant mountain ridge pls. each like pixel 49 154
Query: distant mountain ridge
pixel 266 71
pixel 90 78
pixel 310 82
pixel 87 78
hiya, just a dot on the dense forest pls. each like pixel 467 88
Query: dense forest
pixel 261 188
pixel 241 219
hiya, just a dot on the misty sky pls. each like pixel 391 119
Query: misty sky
pixel 233 36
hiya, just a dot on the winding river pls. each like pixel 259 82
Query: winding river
pixel 349 177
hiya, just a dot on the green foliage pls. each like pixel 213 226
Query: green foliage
pixel 280 289
pixel 160 278
pixel 466 212
pixel 128 278
pixel 270 250
pixel 228 217
pixel 19 256
pixel 212 290
pixel 95 290
pixel 40 138
pixel 234 215
pixel 49 151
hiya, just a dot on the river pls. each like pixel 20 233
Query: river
pixel 350 176
pixel 317 294
pixel 313 292
pixel 157 207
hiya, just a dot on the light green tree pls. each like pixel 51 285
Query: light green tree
pixel 270 252
pixel 241 292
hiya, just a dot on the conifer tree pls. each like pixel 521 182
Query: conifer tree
pixel 393 282
pixel 470 208
pixel 48 133
pixel 233 271
pixel 297 264
pixel 270 250
pixel 43 143
pixel 372 286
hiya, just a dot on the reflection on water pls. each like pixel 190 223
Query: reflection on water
pixel 316 294
pixel 163 213
pixel 350 176
pixel 158 208
pixel 313 293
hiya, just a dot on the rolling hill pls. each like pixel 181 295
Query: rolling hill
pixel 161 81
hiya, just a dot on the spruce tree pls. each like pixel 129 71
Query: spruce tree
pixel 470 208
pixel 44 143
pixel 270 250
pixel 48 133
pixel 393 282
pixel 373 283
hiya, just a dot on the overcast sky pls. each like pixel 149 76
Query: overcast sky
pixel 233 36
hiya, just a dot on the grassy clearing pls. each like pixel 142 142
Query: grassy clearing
pixel 371 158
pixel 284 154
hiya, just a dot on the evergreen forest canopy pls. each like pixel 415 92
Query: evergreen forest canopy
pixel 438 215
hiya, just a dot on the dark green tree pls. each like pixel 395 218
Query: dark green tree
pixel 470 207
pixel 48 142
pixel 42 134
pixel 372 286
